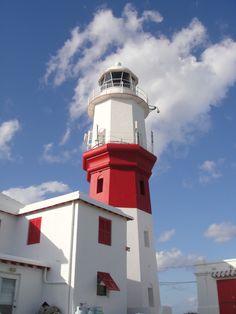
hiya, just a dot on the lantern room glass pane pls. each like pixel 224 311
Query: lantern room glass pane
pixel 125 76
pixel 116 75
pixel 101 82
pixel 107 76
pixel 116 78
pixel 126 79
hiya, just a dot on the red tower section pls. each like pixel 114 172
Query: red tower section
pixel 119 174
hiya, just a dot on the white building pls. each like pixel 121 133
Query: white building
pixel 216 283
pixel 97 249
pixel 56 251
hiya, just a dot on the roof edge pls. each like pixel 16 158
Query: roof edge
pixel 70 197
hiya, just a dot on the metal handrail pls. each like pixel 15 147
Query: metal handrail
pixel 118 87
pixel 148 147
pixel 120 140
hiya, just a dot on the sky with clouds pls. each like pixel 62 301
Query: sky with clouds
pixel 184 54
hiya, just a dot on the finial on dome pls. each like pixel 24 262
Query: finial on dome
pixel 118 64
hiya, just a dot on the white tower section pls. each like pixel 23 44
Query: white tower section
pixel 118 109
pixel 119 166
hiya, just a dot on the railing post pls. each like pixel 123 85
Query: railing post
pixel 152 142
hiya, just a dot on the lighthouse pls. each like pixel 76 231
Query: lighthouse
pixel 119 163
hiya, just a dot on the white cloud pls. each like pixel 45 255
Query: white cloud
pixel 175 259
pixel 36 193
pixel 153 16
pixel 167 235
pixel 52 157
pixel 184 75
pixel 66 136
pixel 221 232
pixel 7 131
pixel 209 170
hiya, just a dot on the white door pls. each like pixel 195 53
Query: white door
pixel 8 284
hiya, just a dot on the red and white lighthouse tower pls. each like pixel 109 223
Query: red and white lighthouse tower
pixel 118 165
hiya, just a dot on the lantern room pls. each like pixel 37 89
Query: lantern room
pixel 118 76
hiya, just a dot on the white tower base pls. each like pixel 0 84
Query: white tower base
pixel 142 274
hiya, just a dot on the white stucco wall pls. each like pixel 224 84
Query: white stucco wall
pixel 29 287
pixel 94 257
pixel 9 205
pixel 54 246
pixel 141 264
pixel 7 237
pixel 207 294
pixel 69 245
pixel 57 295
pixel 117 116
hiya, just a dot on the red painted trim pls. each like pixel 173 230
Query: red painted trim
pixel 118 156
pixel 122 167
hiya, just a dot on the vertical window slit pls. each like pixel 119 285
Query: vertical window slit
pixel 99 185
pixel 142 187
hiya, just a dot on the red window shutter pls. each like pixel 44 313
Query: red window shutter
pixel 104 231
pixel 108 281
pixel 34 230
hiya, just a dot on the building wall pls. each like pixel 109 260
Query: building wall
pixel 94 257
pixel 29 287
pixel 57 295
pixel 7 237
pixel 141 264
pixel 69 244
pixel 207 294
pixel 54 246
pixel 208 302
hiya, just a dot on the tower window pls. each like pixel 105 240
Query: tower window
pixel 146 239
pixel 34 231
pixel 104 283
pixel 99 185
pixel 150 297
pixel 142 187
pixel 104 231
pixel 101 289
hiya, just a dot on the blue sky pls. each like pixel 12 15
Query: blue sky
pixel 184 53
